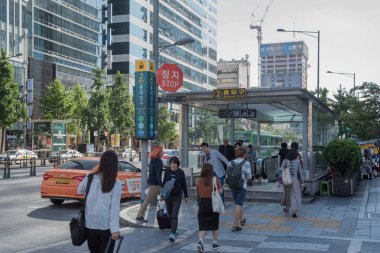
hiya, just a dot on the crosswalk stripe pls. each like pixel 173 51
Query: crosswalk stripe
pixel 294 245
pixel 193 247
pixel 239 237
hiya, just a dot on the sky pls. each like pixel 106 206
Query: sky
pixel 349 36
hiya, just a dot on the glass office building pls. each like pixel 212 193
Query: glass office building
pixel 284 64
pixel 67 33
pixel 132 28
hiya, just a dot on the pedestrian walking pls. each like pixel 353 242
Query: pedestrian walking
pixel 208 220
pixel 154 181
pixel 299 157
pixel 103 204
pixel 173 202
pixel 216 159
pixel 227 150
pixel 283 152
pixel 238 173
pixel 292 198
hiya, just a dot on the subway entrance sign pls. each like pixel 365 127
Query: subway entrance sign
pixel 237 113
pixel 145 100
pixel 234 93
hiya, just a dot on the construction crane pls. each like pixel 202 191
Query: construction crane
pixel 257 26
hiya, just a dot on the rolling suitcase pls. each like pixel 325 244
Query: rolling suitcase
pixel 162 218
pixel 118 246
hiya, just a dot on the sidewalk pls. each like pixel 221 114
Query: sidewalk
pixel 355 220
pixel 328 224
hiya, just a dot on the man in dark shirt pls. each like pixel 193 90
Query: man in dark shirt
pixel 227 150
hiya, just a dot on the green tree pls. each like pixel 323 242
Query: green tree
pixel 207 124
pixel 122 109
pixel 167 132
pixel 97 113
pixel 56 102
pixel 358 116
pixel 12 109
pixel 79 102
pixel 323 93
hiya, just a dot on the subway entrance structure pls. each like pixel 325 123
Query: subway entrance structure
pixel 264 105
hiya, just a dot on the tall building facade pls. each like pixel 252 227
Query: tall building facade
pixel 234 73
pixel 284 64
pixel 68 33
pixel 132 33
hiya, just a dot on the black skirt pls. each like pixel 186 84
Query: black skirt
pixel 207 219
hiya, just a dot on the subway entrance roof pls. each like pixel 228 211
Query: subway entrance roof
pixel 280 105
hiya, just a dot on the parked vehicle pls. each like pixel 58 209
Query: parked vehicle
pixel 10 153
pixel 61 183
pixel 168 153
pixel 63 154
pixel 23 154
pixel 128 152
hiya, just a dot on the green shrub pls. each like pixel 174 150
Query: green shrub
pixel 344 157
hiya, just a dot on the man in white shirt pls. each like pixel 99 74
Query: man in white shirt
pixel 215 158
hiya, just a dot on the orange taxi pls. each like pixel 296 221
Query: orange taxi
pixel 62 182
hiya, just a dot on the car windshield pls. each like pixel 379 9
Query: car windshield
pixel 79 164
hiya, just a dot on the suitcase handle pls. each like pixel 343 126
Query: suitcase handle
pixel 118 246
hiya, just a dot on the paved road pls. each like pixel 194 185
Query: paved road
pixel 27 221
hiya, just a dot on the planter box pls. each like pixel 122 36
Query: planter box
pixel 344 186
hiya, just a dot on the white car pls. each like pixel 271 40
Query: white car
pixel 10 153
pixel 71 153
pixel 127 152
pixel 24 154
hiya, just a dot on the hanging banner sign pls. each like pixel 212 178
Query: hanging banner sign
pixel 145 100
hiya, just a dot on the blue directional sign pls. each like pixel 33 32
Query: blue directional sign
pixel 145 100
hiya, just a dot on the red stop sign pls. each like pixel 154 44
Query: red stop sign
pixel 169 77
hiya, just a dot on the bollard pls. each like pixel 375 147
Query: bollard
pixel 32 166
pixel 8 168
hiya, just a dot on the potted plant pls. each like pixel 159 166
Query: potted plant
pixel 344 158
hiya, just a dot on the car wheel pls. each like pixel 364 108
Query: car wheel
pixel 57 201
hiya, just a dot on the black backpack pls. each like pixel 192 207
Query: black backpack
pixel 234 175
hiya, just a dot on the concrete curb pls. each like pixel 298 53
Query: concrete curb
pixel 129 221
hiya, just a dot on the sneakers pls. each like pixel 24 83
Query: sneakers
pixel 200 247
pixel 215 246
pixel 235 229
pixel 172 237
pixel 141 218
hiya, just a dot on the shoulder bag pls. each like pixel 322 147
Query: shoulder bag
pixel 285 175
pixel 217 203
pixel 78 229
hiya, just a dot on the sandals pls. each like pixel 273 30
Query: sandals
pixel 235 229
pixel 242 222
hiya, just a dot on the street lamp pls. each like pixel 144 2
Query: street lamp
pixel 309 33
pixel 12 56
pixel 352 75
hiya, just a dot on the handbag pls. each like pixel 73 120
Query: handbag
pixel 286 177
pixel 217 203
pixel 78 230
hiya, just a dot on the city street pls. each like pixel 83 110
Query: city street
pixel 328 224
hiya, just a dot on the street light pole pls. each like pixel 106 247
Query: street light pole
pixel 12 56
pixel 156 52
pixel 352 75
pixel 309 33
